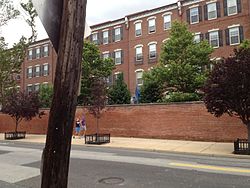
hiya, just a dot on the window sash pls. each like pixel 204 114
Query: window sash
pixel 212 11
pixel 167 21
pixel 234 35
pixel 151 25
pixel 232 7
pixel 105 37
pixel 197 38
pixel 194 15
pixel 139 80
pixel 214 39
pixel 118 57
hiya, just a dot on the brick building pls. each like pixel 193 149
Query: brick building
pixel 38 67
pixel 135 40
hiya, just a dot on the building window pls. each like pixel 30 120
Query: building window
pixel 212 11
pixel 138 31
pixel 45 84
pixel 139 81
pixel 29 72
pixel 214 39
pixel 46 51
pixel 138 53
pixel 105 55
pixel 37 53
pixel 151 25
pixel 116 75
pixel 37 87
pixel 45 69
pixel 234 36
pixel 152 51
pixel 37 70
pixel 30 54
pixel 231 7
pixel 167 21
pixel 117 34
pixel 197 38
pixel 118 57
pixel 95 38
pixel 29 88
pixel 194 15
pixel 105 37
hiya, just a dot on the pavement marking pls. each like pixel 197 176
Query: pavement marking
pixel 208 167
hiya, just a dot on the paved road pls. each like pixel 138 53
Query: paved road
pixel 102 167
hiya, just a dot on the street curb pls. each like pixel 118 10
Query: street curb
pixel 232 156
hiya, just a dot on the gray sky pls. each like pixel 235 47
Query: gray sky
pixel 97 11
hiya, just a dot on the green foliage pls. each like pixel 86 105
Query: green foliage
pixel 119 93
pixel 45 95
pixel 7 12
pixel 11 59
pixel 227 89
pixel 181 97
pixel 92 66
pixel 245 44
pixel 182 66
pixel 151 92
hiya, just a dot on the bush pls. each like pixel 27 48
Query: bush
pixel 181 97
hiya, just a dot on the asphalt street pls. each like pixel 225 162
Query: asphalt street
pixel 109 167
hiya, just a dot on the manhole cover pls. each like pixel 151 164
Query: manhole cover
pixel 111 180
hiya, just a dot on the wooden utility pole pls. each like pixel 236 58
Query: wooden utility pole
pixel 62 113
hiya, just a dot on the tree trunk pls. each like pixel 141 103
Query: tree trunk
pixel 248 130
pixel 97 126
pixel 16 125
pixel 62 113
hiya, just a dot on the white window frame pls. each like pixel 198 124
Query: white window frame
pixel 154 25
pixel 30 72
pixel 117 36
pixel 167 18
pixel 103 34
pixel 199 35
pixel 47 71
pixel 30 54
pixel 149 50
pixel 192 9
pixel 233 2
pixel 38 53
pixel 138 24
pixel 218 38
pixel 105 55
pixel 230 37
pixel 138 54
pixel 140 73
pixel 37 84
pixel 209 6
pixel 31 88
pixel 118 60
pixel 37 75
pixel 46 50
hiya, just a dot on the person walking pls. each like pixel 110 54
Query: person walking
pixel 77 128
pixel 83 125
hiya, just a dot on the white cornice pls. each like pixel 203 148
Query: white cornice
pixel 192 2
pixel 151 13
pixel 105 26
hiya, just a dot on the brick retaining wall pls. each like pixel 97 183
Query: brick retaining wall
pixel 186 121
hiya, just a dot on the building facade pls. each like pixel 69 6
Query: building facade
pixel 38 67
pixel 134 41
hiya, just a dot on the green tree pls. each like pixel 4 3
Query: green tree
pixel 227 89
pixel 93 65
pixel 45 95
pixel 182 66
pixel 11 59
pixel 119 93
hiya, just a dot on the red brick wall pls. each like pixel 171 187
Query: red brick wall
pixel 186 121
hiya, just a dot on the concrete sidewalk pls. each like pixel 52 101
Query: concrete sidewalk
pixel 203 148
